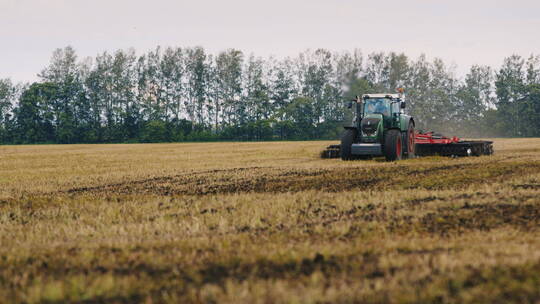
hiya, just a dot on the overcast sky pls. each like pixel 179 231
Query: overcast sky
pixel 460 32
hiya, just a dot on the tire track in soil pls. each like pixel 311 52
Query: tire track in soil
pixel 278 180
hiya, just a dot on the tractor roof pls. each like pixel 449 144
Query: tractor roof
pixel 384 95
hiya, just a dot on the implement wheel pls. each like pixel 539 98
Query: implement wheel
pixel 347 140
pixel 393 147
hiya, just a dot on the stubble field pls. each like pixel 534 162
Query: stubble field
pixel 267 223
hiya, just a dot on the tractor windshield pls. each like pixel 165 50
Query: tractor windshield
pixel 377 106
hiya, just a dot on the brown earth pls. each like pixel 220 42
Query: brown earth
pixel 267 223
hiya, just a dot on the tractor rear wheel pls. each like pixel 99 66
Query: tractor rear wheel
pixel 393 146
pixel 410 141
pixel 347 140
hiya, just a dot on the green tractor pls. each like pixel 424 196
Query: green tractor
pixel 380 128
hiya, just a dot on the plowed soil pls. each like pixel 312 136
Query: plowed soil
pixel 267 223
pixel 276 180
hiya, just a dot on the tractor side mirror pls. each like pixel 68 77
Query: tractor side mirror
pixel 403 104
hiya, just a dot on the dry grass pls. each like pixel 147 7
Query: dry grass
pixel 267 223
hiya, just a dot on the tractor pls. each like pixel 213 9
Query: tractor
pixel 381 128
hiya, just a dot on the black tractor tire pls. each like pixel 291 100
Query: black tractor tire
pixel 410 141
pixel 393 146
pixel 347 139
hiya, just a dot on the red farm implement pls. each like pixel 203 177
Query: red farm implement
pixel 436 144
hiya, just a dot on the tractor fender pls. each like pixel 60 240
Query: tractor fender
pixel 404 125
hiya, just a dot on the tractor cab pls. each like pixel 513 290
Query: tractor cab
pixel 376 105
pixel 384 104
pixel 379 110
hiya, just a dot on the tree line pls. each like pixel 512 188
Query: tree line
pixel 187 94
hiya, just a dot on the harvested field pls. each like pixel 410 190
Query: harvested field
pixel 267 223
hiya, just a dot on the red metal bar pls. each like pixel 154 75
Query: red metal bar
pixel 429 138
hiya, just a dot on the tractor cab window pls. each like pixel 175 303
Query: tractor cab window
pixel 377 106
pixel 396 107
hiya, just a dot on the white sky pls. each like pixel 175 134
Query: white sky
pixel 460 32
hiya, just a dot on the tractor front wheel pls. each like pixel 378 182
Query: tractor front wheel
pixel 347 140
pixel 393 146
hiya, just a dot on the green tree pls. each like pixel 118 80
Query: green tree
pixel 378 71
pixel 510 84
pixel 69 111
pixel 257 99
pixel 475 98
pixel 301 113
pixel 172 70
pixel 197 69
pixel 155 131
pixel 7 96
pixel 125 105
pixel 444 112
pixel 317 70
pixel 34 123
pixel 229 78
pixel 151 91
pixel 418 92
pixel 398 71
pixel 281 90
pixel 187 94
